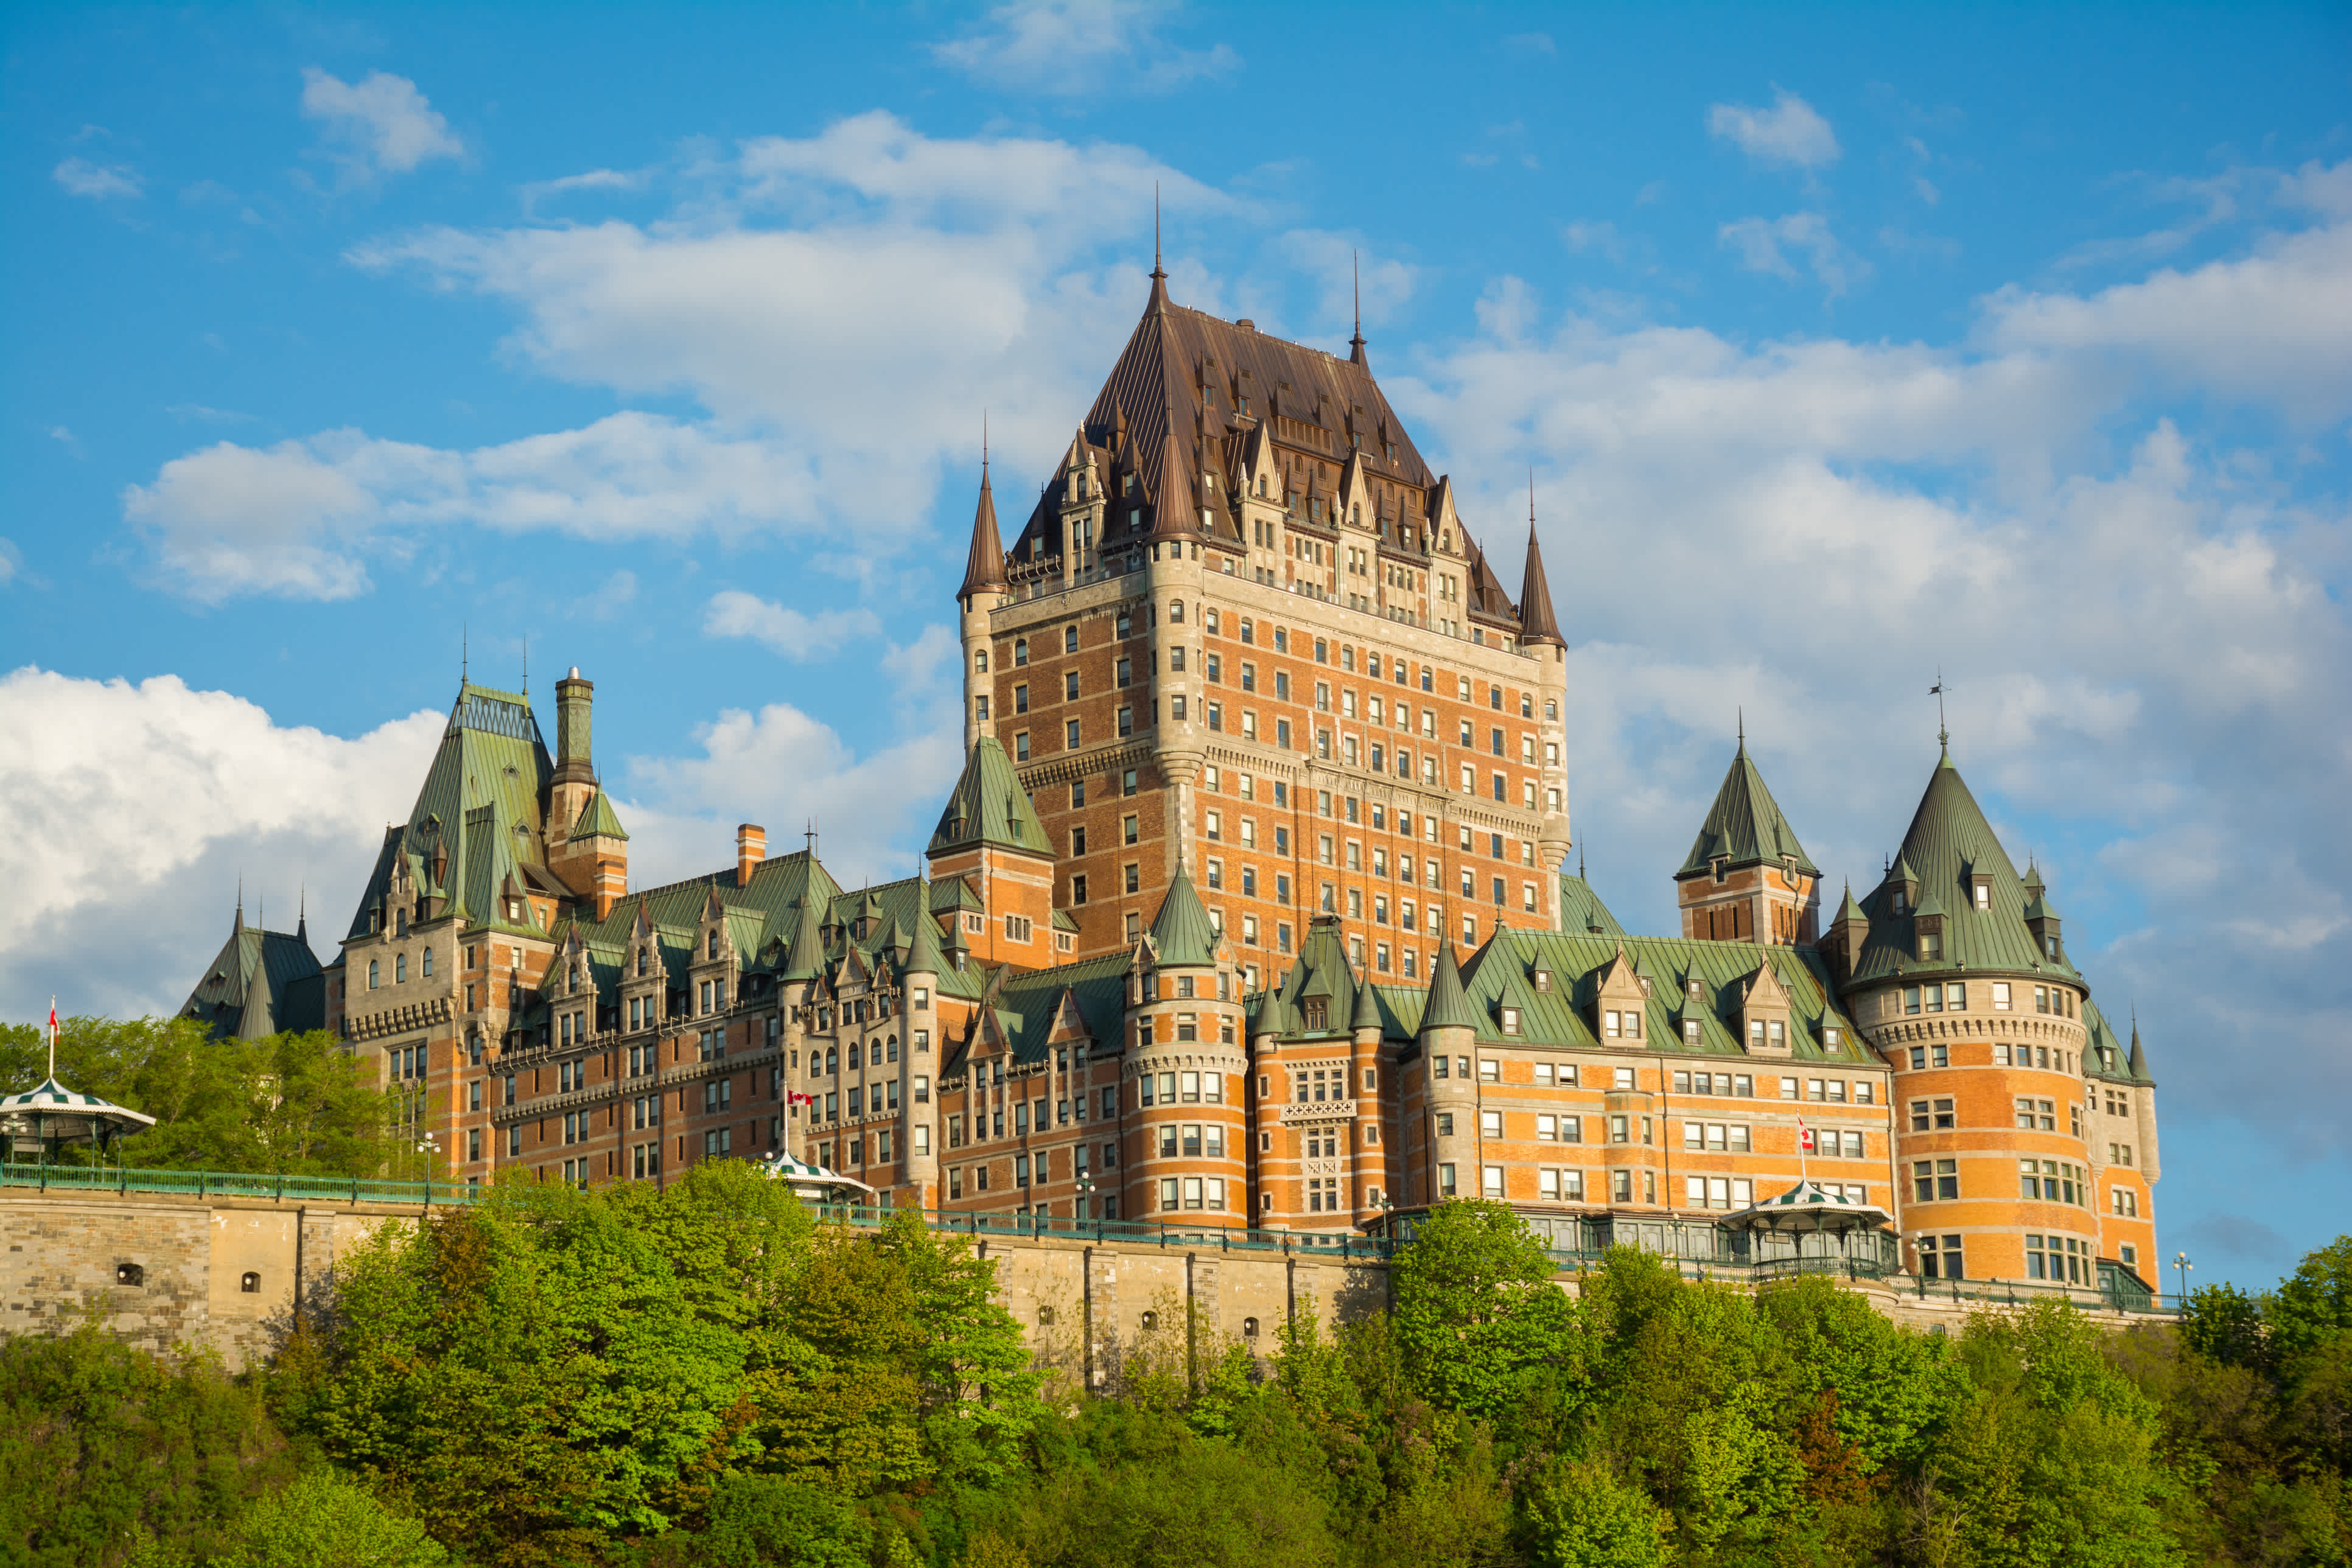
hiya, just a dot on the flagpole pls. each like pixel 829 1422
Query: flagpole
pixel 52 1038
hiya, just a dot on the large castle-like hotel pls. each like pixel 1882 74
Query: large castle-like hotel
pixel 1251 908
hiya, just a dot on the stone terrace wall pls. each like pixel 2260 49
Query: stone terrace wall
pixel 175 1269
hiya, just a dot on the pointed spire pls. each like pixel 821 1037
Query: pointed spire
pixel 1367 1015
pixel 1448 1007
pixel 1159 274
pixel 1537 623
pixel 1181 932
pixel 302 913
pixel 1356 343
pixel 240 903
pixel 2138 1061
pixel 983 569
pixel 465 661
pixel 804 960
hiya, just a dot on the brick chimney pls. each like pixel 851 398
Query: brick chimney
pixel 751 848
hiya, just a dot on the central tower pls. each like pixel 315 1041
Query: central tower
pixel 1244 632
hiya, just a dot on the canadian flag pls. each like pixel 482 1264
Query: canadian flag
pixel 1804 1136
pixel 794 1097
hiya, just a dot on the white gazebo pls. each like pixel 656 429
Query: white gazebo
pixel 41 1119
pixel 815 1183
pixel 1809 1220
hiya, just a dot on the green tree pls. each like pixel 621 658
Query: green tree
pixel 1477 1315
pixel 301 1104
pixel 323 1518
pixel 105 1451
pixel 1580 1516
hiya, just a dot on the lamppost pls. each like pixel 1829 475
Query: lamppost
pixel 1086 1194
pixel 2181 1265
pixel 428 1146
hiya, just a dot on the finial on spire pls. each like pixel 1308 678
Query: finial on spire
pixel 464 660
pixel 1943 735
pixel 1356 343
pixel 526 666
pixel 1156 269
pixel 1742 712
pixel 1579 861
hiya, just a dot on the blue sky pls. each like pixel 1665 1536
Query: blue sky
pixel 1846 346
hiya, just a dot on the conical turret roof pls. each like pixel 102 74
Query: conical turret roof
pixel 1744 827
pixel 984 568
pixel 1181 932
pixel 1848 910
pixel 1537 624
pixel 1368 1007
pixel 1948 842
pixel 1448 1007
pixel 806 959
pixel 987 807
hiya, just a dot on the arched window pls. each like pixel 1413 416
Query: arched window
pixel 1249 1328
pixel 375 974
pixel 1069 639
pixel 1020 650
pixel 641 960
pixel 399 968
pixel 249 1282
pixel 710 945
pixel 831 1061
pixel 428 964
pixel 1176 612
pixel 874 1055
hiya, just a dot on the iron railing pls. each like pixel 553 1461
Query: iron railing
pixel 234 1184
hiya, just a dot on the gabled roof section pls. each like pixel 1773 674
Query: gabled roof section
pixel 989 807
pixel 260 982
pixel 1949 841
pixel 1743 828
pixel 1181 932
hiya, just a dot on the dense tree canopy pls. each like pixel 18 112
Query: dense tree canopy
pixel 298 1104
pixel 703 1376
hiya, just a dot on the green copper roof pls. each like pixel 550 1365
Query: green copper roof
pixel 925 957
pixel 1558 1012
pixel 1367 1015
pixel 1272 1018
pixel 1848 910
pixel 1949 840
pixel 1743 828
pixel 1448 1007
pixel 989 806
pixel 1581 908
pixel 596 819
pixel 1181 932
pixel 804 955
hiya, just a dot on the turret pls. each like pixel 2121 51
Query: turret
pixel 985 589
pixel 1747 878
pixel 1447 1028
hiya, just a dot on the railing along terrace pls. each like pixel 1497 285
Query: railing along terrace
pixel 2113 1296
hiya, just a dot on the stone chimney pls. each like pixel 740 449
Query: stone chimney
pixel 751 848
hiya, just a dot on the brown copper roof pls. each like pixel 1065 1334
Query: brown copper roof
pixel 985 567
pixel 1191 392
pixel 1536 622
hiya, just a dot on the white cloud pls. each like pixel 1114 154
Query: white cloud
pixel 1791 131
pixel 1073 48
pixel 12 562
pixel 303 519
pixel 379 125
pixel 98 182
pixel 1759 242
pixel 2276 324
pixel 781 768
pixel 133 809
pixel 783 631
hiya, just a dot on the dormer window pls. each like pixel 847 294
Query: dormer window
pixel 1543 982
pixel 1931 946
pixel 1717 865
pixel 1897 904
pixel 1983 892
pixel 514 910
pixel 1694 988
pixel 710 945
pixel 2050 947
pixel 1510 1020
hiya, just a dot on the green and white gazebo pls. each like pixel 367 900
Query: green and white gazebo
pixel 815 1183
pixel 1812 1221
pixel 43 1119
